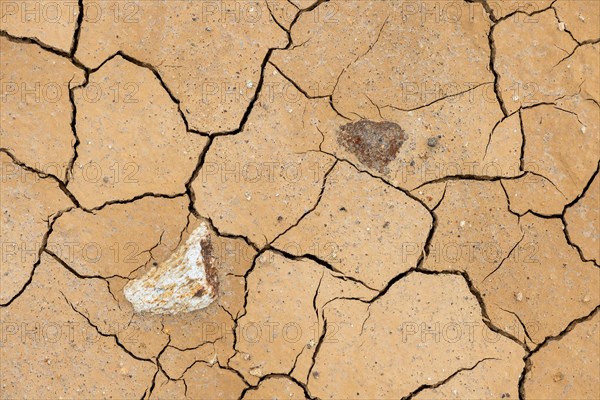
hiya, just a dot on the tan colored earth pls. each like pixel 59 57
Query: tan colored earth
pixel 397 199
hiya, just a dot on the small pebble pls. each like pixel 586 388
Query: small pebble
pixel 558 377
pixel 519 296
pixel 586 298
pixel 432 141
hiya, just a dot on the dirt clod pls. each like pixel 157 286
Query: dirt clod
pixel 375 144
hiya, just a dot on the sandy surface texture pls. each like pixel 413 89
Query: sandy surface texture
pixel 300 199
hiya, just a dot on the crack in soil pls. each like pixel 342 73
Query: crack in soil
pixel 310 210
pixel 77 32
pixel 507 256
pixel 52 219
pixel 544 343
pixel 445 380
pixel 211 136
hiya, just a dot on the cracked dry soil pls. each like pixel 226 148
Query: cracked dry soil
pixel 402 198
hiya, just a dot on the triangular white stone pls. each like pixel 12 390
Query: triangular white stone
pixel 186 282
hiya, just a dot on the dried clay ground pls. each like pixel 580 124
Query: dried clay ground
pixel 402 197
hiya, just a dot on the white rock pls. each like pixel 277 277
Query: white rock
pixel 519 296
pixel 186 282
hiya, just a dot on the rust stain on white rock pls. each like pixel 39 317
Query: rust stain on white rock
pixel 186 282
